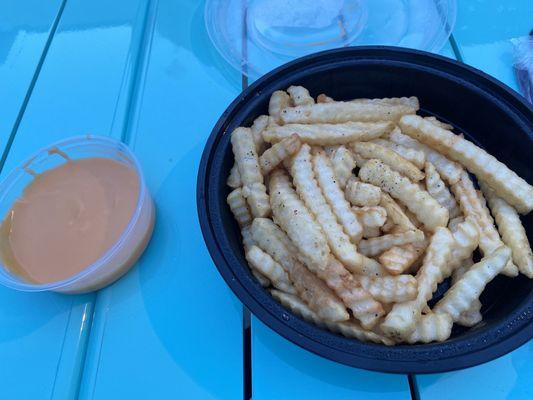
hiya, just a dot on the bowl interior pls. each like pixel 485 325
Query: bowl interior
pixel 482 109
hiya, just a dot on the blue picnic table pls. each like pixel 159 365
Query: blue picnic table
pixel 145 72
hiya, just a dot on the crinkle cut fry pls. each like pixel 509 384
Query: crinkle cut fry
pixel 327 181
pixel 402 320
pixel 437 188
pixel 418 201
pixel 431 327
pixel 390 289
pixel 448 170
pixel 349 329
pixel 268 267
pixel 247 161
pixel 297 221
pixel 472 205
pixel 301 169
pixel 506 183
pixel 394 160
pixel 339 112
pixel 343 164
pixel 467 289
pixel 273 156
pixel 328 134
pixel 374 246
pixel 311 289
pixel 512 232
pixel 300 96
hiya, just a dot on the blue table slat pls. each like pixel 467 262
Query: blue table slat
pixel 43 335
pixel 482 33
pixel 171 328
pixel 282 370
pixel 23 39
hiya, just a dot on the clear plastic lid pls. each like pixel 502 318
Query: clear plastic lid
pixel 255 36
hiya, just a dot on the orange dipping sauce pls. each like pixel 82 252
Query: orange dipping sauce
pixel 67 218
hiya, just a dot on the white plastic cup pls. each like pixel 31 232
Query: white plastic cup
pixel 121 256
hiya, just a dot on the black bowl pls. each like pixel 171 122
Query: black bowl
pixel 484 109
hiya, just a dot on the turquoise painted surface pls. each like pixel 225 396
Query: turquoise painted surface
pixel 484 30
pixel 282 370
pixel 23 40
pixel 171 328
pixel 508 377
pixel 43 336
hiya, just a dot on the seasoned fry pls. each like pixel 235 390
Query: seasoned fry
pixel 343 164
pixel 470 316
pixel 466 236
pixel 248 163
pixel 390 289
pixel 295 219
pixel 440 124
pixel 370 216
pixel 406 101
pixel 247 238
pixel 234 178
pixel 278 101
pixel 431 327
pixel 418 201
pixel 328 134
pixel 356 298
pixel 310 288
pixel 462 294
pixel 417 157
pixel 448 170
pixel 349 329
pixel 506 184
pixel 398 259
pixel 239 208
pixel 301 169
pixel 402 320
pixel 265 264
pixel 368 209
pixel 374 246
pixel 257 128
pixel 511 229
pixel 437 188
pixel 362 194
pixel 392 159
pixel 472 205
pixel 395 214
pixel 340 111
pixel 327 181
pixel 273 156
pixel 300 96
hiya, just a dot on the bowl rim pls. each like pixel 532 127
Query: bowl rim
pixel 67 143
pixel 273 317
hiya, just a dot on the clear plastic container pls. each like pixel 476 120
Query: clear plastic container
pixel 255 36
pixel 118 259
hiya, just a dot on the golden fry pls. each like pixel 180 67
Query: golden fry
pixel 328 134
pixel 390 289
pixel 278 101
pixel 418 201
pixel 507 184
pixel 374 246
pixel 265 264
pixel 343 164
pixel 438 190
pixel 362 194
pixel 396 162
pixel 339 112
pixel 334 196
pixel 511 230
pixel 273 156
pixel 248 163
pixel 300 96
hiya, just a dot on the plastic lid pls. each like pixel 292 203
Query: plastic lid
pixel 255 36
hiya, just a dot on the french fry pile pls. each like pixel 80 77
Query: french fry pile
pixel 352 212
